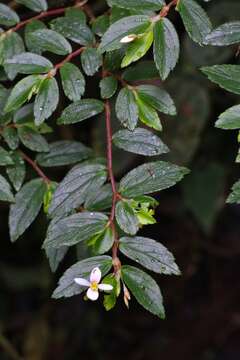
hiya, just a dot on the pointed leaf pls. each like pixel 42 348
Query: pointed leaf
pixel 46 100
pixel 22 91
pixel 5 157
pixel 55 256
pixel 151 177
pixel 166 47
pixel 49 40
pixel 140 141
pixel 10 135
pixel 138 5
pixel 74 29
pixel 8 17
pixel 195 20
pixel 156 97
pixel 226 34
pixel 126 218
pixel 28 63
pixel 91 61
pixel 35 5
pixel 26 208
pixel 73 81
pixel 234 197
pixel 5 190
pixel 147 114
pixel 17 171
pixel 126 109
pixel 230 119
pixel 64 152
pixel 108 87
pixel 81 110
pixel 32 139
pixel 150 254
pixel 77 184
pixel 145 289
pixel 226 76
pixel 138 48
pixel 136 24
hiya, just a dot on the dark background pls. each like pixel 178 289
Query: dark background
pixel 202 306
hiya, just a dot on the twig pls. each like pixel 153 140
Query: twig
pixel 8 348
pixel 115 196
pixel 35 167
pixel 67 59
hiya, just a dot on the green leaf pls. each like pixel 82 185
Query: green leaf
pixel 67 286
pixel 75 187
pixel 101 24
pixel 144 70
pixel 28 63
pixel 103 242
pixel 22 92
pixel 81 110
pixel 32 139
pixel 12 45
pixel 30 28
pixel 151 177
pixel 138 48
pixel 147 114
pixel 126 218
pixel 26 208
pixel 226 34
pixel 5 158
pixel 126 109
pixel 4 94
pixel 49 40
pixel 75 228
pixel 108 87
pixel 136 24
pixel 100 199
pixel 55 256
pixel 8 17
pixel 166 47
pixel 234 197
pixel 157 98
pixel 64 152
pixel 17 171
pixel 226 76
pixel 195 20
pixel 11 137
pixel 46 100
pixel 75 13
pixel 138 5
pixel 145 289
pixel 230 119
pixel 91 61
pixel 150 254
pixel 140 141
pixel 35 5
pixel 73 81
pixel 73 28
pixel 5 190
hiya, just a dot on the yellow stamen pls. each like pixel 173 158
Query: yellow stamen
pixel 94 286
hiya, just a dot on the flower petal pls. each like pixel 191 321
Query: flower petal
pixel 105 287
pixel 92 294
pixel 82 282
pixel 95 275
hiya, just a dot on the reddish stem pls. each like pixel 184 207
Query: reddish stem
pixel 116 261
pixel 35 167
pixel 69 58
pixel 165 10
pixel 53 12
pixel 42 15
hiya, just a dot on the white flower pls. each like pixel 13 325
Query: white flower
pixel 127 39
pixel 93 284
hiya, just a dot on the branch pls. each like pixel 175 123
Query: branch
pixel 165 10
pixel 53 12
pixel 67 59
pixel 35 167
pixel 115 197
